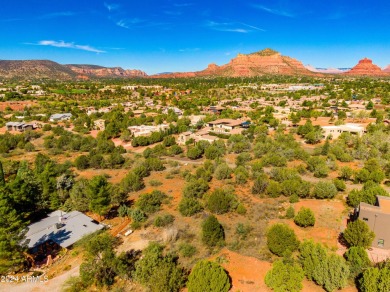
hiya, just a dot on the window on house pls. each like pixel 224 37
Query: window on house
pixel 365 219
pixel 381 242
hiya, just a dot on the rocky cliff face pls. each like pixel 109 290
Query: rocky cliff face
pixel 98 71
pixel 260 63
pixel 365 67
pixel 34 69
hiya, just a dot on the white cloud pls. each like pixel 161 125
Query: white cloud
pixel 238 27
pixel 279 12
pixel 62 44
pixel 111 6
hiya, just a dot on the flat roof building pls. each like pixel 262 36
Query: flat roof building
pixel 378 219
pixel 62 228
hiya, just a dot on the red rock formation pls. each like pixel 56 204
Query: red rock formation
pixel 260 63
pixel 387 69
pixel 365 67
pixel 98 71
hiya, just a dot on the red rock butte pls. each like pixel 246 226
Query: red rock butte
pixel 365 67
pixel 260 63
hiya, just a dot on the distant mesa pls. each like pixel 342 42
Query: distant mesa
pixel 365 67
pixel 99 71
pixel 326 70
pixel 387 69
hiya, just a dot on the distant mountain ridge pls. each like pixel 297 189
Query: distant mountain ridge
pixel 100 71
pixel 264 62
pixel 46 69
pixel 34 69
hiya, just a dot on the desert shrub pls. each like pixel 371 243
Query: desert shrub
pixel 362 175
pixel 189 206
pixel 223 171
pixel 281 238
pixel 46 127
pixel 260 185
pixel 375 279
pixel 294 199
pixel 367 195
pixel 212 232
pixel 324 190
pixel 285 277
pixel 208 276
pixel 357 259
pixel 243 158
pixel 155 183
pixel 81 162
pixel 328 270
pixel 358 233
pixel 213 152
pixel 345 173
pixel 132 183
pixel 221 201
pixel 194 153
pixel 281 174
pixel 195 188
pixel 317 165
pixel 305 217
pixel 151 202
pixel 169 141
pixel 297 187
pixel 339 184
pixel 175 150
pixel 187 250
pixel 241 209
pixel 164 220
pixel 137 215
pixel 154 164
pixel 141 170
pixel 274 189
pixel 290 212
pixel 159 272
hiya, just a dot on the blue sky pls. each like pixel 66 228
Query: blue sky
pixel 187 35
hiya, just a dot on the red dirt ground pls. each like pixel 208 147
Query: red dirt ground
pixel 329 221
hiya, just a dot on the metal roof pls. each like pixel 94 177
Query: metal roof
pixel 63 228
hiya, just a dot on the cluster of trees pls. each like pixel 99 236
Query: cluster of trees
pixel 325 268
pixel 212 151
pixel 287 182
pixel 312 134
pixel 155 269
pixel 10 142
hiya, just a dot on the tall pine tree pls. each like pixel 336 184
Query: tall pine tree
pixel 11 236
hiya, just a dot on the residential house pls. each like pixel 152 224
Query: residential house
pixel 60 117
pixel 378 219
pixel 226 126
pixel 336 131
pixel 144 130
pixel 62 228
pixel 199 136
pixel 176 110
pixel 217 110
pixel 20 126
